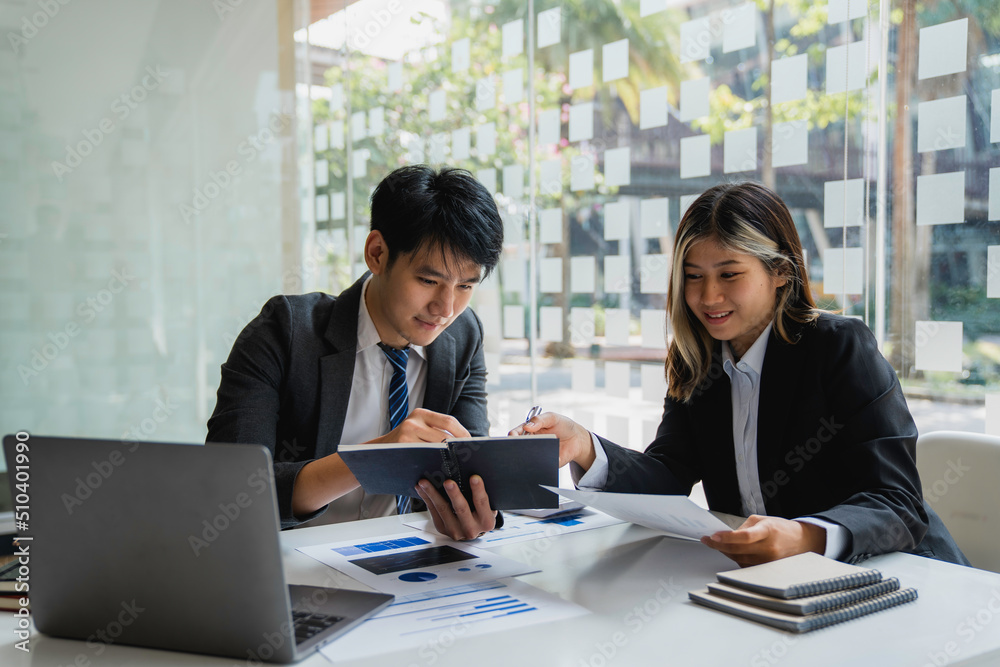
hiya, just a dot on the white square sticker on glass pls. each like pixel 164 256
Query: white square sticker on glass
pixel 617 166
pixel 617 428
pixel 581 69
pixel 550 177
pixel 943 49
pixel 321 137
pixel 337 97
pixel 582 375
pixel 550 275
pixel 616 221
pixel 548 127
pixel 617 274
pixel 322 173
pixel 322 208
pixel 581 326
pixel 513 270
pixel 740 28
pixel 696 39
pixel 550 225
pixel 549 27
pixel 844 203
pixel 993 272
pixel 486 94
pixel 654 218
pixel 648 7
pixel 839 11
pixel 790 143
pixel 338 205
pixel 686 201
pixel 461 143
pixel 550 324
pixel 513 321
pixel 513 86
pixel 694 99
pixel 460 58
pixel 654 328
pixel 488 177
pixel 582 272
pixel 992 413
pixel 436 147
pixel 513 181
pixel 616 323
pixel 513 38
pixel 360 162
pixel 941 124
pixel 696 156
pixel 654 274
pixel 436 106
pixel 337 139
pixel 995 116
pixel 740 150
pixel 376 121
pixel 581 175
pixel 654 382
pixel 938 346
pixel 789 77
pixel 941 198
pixel 843 271
pixel 513 227
pixel 581 121
pixel 653 108
pixel 486 140
pixel 395 75
pixel 358 121
pixel 994 205
pixel 617 376
pixel 614 60
pixel 845 67
pixel 360 236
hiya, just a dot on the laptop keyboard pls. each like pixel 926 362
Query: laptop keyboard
pixel 308 625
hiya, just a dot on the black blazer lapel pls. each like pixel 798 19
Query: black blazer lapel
pixel 440 374
pixel 712 417
pixel 336 370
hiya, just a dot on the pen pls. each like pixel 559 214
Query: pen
pixel 533 412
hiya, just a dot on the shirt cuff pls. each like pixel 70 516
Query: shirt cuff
pixel 596 478
pixel 836 536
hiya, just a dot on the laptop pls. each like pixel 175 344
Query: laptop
pixel 169 546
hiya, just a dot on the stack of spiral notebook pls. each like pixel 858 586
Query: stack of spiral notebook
pixel 802 593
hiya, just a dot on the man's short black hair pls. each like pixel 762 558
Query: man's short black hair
pixel 416 207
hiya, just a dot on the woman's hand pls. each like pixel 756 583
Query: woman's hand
pixel 575 442
pixel 762 539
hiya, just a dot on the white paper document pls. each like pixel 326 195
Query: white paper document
pixel 409 563
pixel 523 528
pixel 432 622
pixel 672 514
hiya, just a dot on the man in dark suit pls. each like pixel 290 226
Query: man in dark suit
pixel 396 357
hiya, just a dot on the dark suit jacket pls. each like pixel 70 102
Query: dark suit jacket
pixel 287 381
pixel 835 440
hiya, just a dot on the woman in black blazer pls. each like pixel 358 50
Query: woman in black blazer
pixel 788 415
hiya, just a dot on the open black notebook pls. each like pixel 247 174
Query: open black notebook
pixel 512 468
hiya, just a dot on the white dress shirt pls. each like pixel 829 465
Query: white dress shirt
pixel 744 377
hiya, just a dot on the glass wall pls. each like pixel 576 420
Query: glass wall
pixel 597 122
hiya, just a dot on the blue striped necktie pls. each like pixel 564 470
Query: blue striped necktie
pixel 399 402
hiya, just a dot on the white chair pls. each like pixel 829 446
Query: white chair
pixel 960 475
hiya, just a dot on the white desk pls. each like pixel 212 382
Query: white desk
pixel 635 582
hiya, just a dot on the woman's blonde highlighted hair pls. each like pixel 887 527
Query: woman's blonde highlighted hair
pixel 746 218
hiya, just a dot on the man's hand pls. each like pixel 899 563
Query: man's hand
pixel 425 426
pixel 455 519
pixel 762 539
pixel 575 442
